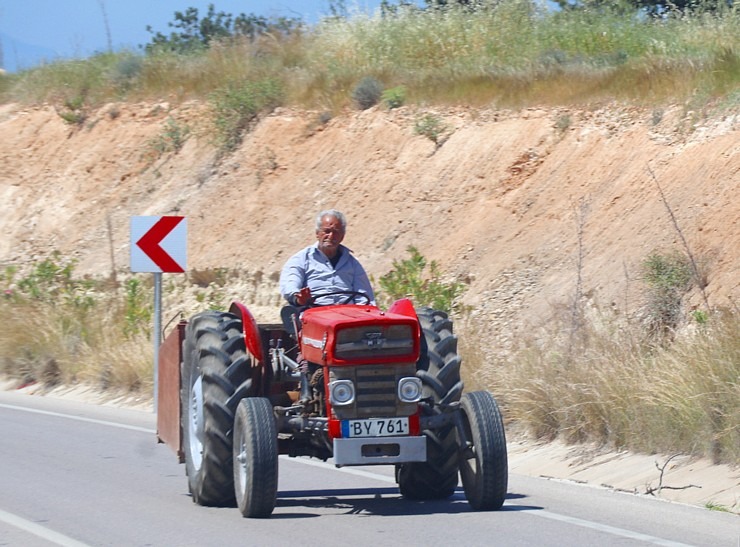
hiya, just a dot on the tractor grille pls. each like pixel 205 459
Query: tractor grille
pixel 376 390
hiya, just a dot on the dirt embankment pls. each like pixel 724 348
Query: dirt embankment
pixel 502 204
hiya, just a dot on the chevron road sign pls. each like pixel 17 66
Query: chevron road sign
pixel 159 244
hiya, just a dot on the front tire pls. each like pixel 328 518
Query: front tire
pixel 255 458
pixel 439 370
pixel 483 463
pixel 215 377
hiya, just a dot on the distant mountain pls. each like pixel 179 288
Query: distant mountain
pixel 16 55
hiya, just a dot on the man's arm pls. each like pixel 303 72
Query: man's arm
pixel 293 278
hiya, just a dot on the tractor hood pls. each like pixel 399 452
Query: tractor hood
pixel 352 334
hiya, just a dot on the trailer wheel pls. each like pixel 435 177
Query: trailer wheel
pixel 483 462
pixel 439 370
pixel 255 457
pixel 215 376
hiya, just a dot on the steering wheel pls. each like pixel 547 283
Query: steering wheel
pixel 350 296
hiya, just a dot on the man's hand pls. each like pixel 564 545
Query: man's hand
pixel 303 296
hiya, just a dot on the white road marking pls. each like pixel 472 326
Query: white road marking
pixel 608 529
pixel 79 418
pixel 40 531
pixel 613 530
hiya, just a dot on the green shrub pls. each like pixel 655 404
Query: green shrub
pixel 6 82
pixel 563 123
pixel 408 279
pixel 52 281
pixel 668 277
pixel 138 310
pixel 125 71
pixel 394 97
pixel 432 127
pixel 171 139
pixel 367 93
pixel 237 106
pixel 701 317
pixel 73 112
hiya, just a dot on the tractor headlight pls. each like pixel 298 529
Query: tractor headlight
pixel 341 392
pixel 409 390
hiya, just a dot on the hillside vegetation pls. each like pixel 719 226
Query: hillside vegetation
pixel 566 183
pixel 510 55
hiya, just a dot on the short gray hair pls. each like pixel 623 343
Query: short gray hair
pixel 332 213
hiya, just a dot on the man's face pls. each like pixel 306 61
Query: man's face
pixel 329 236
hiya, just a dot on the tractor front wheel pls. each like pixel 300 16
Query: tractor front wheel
pixel 439 370
pixel 255 458
pixel 483 461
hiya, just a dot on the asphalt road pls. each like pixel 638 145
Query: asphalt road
pixel 74 474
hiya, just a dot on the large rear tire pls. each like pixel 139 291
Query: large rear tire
pixel 215 377
pixel 484 465
pixel 255 458
pixel 439 370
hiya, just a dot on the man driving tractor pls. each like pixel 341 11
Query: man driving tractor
pixel 325 267
pixel 355 384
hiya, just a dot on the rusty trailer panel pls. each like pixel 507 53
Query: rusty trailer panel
pixel 169 430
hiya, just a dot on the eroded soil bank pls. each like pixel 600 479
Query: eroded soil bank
pixel 510 203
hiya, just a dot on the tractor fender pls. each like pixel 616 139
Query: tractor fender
pixel 252 339
pixel 404 306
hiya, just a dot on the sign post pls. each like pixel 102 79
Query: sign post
pixel 157 334
pixel 158 244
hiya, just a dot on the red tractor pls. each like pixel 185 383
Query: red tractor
pixel 353 383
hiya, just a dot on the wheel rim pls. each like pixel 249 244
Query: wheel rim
pixel 469 466
pixel 468 458
pixel 241 460
pixel 195 423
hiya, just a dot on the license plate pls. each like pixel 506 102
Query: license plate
pixel 375 427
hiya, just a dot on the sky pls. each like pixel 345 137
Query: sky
pixel 33 31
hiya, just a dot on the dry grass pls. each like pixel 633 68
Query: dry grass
pixel 614 387
pixel 512 55
pixel 67 330
pixel 59 341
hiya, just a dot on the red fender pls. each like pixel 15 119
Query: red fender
pixel 252 339
pixel 404 306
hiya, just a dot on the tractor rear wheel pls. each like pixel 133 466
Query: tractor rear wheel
pixel 439 370
pixel 255 458
pixel 215 373
pixel 483 462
